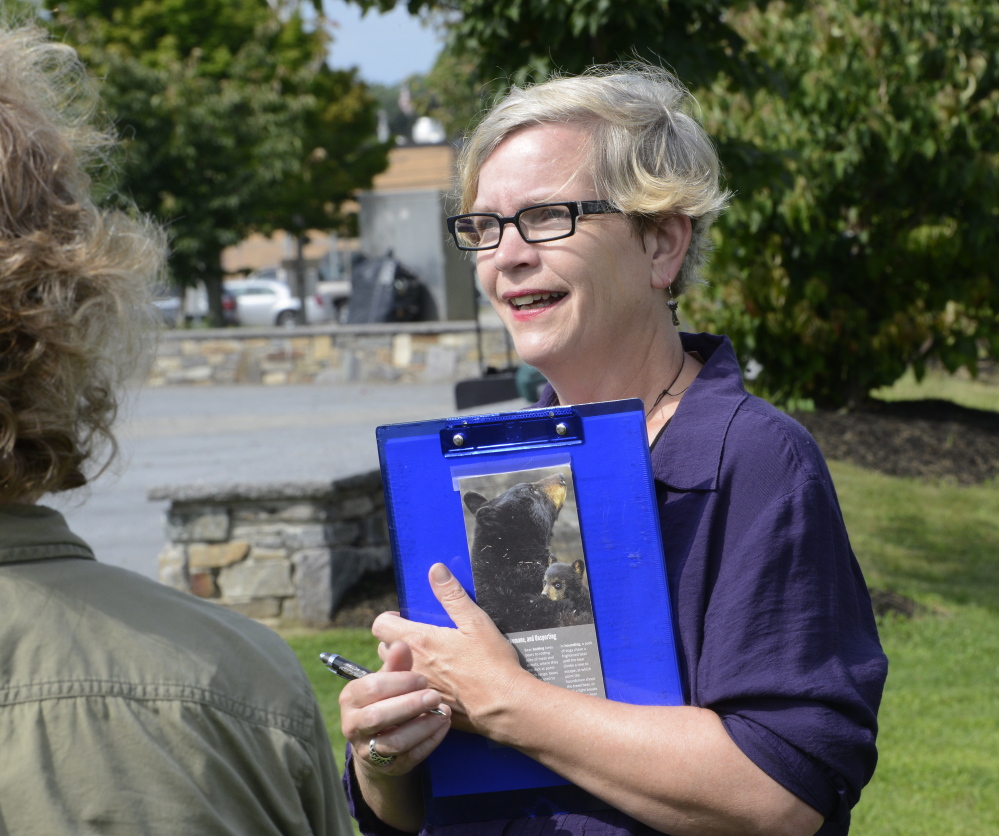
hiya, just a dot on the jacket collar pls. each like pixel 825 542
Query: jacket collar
pixel 34 532
pixel 688 456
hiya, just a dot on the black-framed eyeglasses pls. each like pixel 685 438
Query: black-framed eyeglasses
pixel 536 224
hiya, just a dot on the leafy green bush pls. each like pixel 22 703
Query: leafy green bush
pixel 862 239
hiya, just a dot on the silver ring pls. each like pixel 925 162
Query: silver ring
pixel 375 758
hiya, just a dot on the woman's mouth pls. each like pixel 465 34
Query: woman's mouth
pixel 533 301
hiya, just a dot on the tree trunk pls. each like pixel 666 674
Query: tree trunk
pixel 212 278
pixel 300 241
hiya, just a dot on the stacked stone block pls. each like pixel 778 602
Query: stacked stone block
pixel 284 553
pixel 421 352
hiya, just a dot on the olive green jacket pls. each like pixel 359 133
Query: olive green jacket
pixel 130 708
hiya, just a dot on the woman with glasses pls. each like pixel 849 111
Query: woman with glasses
pixel 587 202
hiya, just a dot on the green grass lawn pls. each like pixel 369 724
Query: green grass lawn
pixel 977 394
pixel 357 645
pixel 939 741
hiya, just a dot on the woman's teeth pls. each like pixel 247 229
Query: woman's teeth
pixel 535 300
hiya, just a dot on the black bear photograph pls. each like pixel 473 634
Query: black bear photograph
pixel 563 584
pixel 510 522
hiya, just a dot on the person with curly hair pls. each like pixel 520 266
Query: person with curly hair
pixel 125 706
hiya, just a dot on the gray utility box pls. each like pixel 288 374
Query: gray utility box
pixel 410 225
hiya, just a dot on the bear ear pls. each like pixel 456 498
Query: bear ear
pixel 552 559
pixel 474 501
pixel 579 567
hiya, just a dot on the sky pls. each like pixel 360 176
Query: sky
pixel 386 48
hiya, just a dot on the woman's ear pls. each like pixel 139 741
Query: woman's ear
pixel 671 238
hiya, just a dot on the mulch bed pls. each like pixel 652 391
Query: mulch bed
pixel 926 439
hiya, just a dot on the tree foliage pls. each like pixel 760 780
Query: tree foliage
pixel 492 45
pixel 864 242
pixel 231 119
pixel 451 93
pixel 524 39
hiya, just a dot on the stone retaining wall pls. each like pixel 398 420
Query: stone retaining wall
pixel 419 352
pixel 282 553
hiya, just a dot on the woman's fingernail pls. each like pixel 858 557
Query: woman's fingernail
pixel 439 573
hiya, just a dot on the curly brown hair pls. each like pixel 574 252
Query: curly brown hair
pixel 76 321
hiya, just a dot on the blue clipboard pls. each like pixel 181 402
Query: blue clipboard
pixel 451 487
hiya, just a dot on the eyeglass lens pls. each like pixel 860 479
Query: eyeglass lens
pixel 536 224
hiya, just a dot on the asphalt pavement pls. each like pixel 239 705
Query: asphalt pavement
pixel 225 434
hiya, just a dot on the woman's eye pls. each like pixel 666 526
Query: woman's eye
pixel 548 216
pixel 554 213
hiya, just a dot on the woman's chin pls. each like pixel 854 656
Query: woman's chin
pixel 547 343
pixel 538 356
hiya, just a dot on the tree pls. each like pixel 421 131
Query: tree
pixel 341 154
pixel 231 120
pixel 452 94
pixel 525 39
pixel 866 243
pixel 490 45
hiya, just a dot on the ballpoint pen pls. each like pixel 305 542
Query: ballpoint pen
pixel 351 670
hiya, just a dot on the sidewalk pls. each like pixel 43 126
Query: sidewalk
pixel 224 434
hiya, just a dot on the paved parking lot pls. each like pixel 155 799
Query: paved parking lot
pixel 224 434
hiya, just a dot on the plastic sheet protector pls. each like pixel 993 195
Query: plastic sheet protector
pixel 548 518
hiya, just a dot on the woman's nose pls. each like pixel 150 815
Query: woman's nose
pixel 513 251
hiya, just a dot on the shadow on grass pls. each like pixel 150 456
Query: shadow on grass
pixel 941 554
pixel 928 539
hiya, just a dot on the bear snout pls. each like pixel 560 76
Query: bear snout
pixel 555 489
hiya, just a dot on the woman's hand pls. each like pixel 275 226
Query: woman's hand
pixel 390 707
pixel 474 668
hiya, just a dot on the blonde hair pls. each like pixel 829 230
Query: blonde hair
pixel 75 311
pixel 649 155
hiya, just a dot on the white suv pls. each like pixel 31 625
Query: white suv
pixel 271 302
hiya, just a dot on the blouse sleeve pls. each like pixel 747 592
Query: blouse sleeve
pixel 790 657
pixel 367 822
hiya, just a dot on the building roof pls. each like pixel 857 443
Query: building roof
pixel 414 167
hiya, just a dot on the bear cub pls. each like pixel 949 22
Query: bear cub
pixel 510 552
pixel 563 584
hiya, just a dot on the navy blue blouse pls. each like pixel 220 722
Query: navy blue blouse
pixel 775 624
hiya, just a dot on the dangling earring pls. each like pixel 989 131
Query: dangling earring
pixel 672 304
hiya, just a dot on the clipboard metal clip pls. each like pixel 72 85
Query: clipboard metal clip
pixel 490 434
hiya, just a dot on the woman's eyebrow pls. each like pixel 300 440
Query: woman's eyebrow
pixel 526 204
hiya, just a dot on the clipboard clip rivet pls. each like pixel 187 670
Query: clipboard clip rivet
pixel 458 440
pixel 561 428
